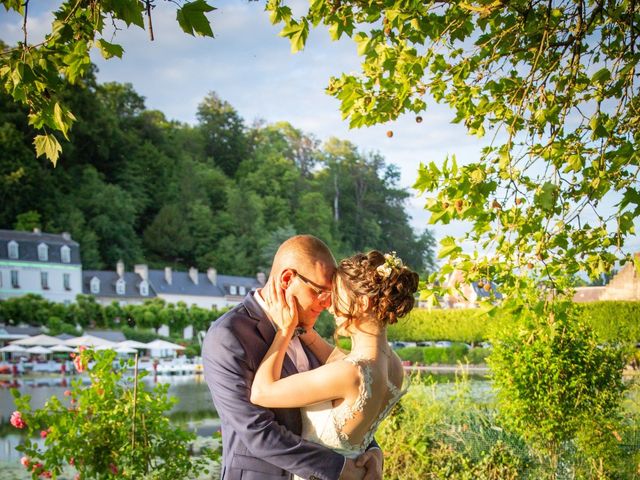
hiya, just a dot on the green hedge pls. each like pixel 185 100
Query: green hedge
pixel 457 352
pixel 612 322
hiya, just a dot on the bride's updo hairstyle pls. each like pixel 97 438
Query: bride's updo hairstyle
pixel 387 283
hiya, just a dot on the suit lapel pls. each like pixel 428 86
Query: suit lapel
pixel 267 331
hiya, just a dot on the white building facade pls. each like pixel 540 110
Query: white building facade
pixel 39 263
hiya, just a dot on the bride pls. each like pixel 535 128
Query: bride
pixel 343 401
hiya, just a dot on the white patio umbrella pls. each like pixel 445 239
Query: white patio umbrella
pixel 87 341
pixel 13 349
pixel 40 340
pixel 133 344
pixel 164 345
pixel 38 350
pixel 125 349
pixel 61 348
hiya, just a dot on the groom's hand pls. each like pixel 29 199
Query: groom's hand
pixel 351 472
pixel 371 460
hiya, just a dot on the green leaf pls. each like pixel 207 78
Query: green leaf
pixel 109 50
pixel 193 20
pixel 601 76
pixel 129 11
pixel 48 145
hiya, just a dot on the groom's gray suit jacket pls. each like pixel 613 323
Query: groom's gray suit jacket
pixel 257 443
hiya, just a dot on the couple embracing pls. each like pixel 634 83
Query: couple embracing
pixel 290 404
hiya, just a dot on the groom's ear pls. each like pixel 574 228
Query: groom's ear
pixel 286 277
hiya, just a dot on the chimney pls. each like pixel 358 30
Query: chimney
pixel 37 231
pixel 120 268
pixel 212 275
pixel 168 275
pixel 142 270
pixel 193 275
pixel 66 236
pixel 261 277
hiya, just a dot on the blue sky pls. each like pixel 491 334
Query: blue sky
pixel 251 67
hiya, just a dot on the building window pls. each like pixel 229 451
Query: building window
pixel 43 252
pixel 94 285
pixel 233 290
pixel 44 280
pixel 65 254
pixel 243 291
pixel 66 281
pixel 0 278
pixel 144 289
pixel 14 279
pixel 14 251
pixel 120 285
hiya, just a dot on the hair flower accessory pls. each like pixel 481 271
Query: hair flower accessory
pixel 391 261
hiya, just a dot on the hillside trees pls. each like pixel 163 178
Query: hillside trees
pixel 135 186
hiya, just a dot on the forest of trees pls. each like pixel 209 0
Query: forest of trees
pixel 133 185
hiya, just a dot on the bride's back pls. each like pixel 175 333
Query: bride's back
pixel 348 425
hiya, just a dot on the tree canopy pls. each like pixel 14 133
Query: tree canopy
pixel 132 185
pixel 554 83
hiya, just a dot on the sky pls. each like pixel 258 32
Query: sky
pixel 251 67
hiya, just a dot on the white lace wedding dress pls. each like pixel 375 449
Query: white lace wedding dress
pixel 325 424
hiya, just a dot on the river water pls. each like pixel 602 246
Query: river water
pixel 194 410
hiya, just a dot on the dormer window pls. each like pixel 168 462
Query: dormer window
pixel 94 285
pixel 243 291
pixel 65 254
pixel 14 252
pixel 120 286
pixel 43 252
pixel 233 290
pixel 144 288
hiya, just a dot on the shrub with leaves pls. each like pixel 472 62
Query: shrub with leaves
pixel 112 428
pixel 557 386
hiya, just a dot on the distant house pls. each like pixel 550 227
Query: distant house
pixel 125 288
pixel 205 290
pixel 469 294
pixel 625 285
pixel 40 263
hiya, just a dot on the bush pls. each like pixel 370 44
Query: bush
pixel 473 326
pixel 113 428
pixel 557 387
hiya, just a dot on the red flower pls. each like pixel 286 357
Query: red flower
pixel 72 461
pixel 79 364
pixel 46 474
pixel 67 393
pixel 82 348
pixel 36 467
pixel 25 462
pixel 44 433
pixel 16 420
pixel 113 468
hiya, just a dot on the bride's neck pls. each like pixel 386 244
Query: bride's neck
pixel 368 336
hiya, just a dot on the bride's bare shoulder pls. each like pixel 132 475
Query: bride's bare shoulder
pixel 336 355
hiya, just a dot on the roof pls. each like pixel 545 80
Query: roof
pixel 181 284
pixel 111 335
pixel 28 246
pixel 108 281
pixel 28 331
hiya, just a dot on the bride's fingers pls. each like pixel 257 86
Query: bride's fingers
pixel 291 305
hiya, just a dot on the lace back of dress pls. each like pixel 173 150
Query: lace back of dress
pixel 354 432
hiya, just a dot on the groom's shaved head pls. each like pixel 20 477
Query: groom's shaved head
pixel 302 252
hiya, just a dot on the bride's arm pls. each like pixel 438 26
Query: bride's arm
pixel 325 383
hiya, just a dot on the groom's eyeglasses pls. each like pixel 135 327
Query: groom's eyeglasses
pixel 322 294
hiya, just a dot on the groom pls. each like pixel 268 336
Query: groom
pixel 259 443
